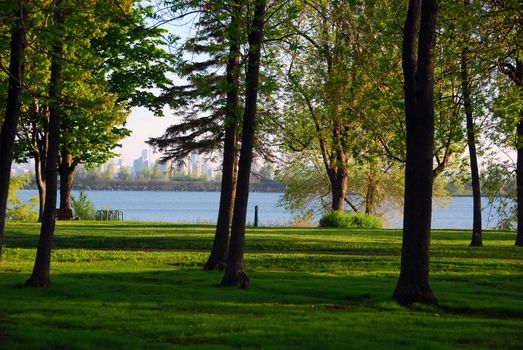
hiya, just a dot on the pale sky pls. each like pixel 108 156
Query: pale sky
pixel 143 125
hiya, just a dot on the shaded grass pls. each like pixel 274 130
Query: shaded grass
pixel 151 236
pixel 300 297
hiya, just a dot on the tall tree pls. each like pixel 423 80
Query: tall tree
pixel 418 69
pixel 505 18
pixel 209 103
pixel 40 276
pixel 218 257
pixel 477 235
pixel 234 275
pixel 12 113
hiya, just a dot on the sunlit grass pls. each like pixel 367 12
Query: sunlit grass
pixel 310 289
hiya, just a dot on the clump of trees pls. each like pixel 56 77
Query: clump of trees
pixel 75 70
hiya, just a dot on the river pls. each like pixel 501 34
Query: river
pixel 202 207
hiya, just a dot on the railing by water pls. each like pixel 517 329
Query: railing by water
pixel 108 215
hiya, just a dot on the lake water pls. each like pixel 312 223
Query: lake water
pixel 202 207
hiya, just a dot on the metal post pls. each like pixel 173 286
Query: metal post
pixel 255 216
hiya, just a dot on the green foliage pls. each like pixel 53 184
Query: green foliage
pixel 84 207
pixel 338 219
pixel 17 209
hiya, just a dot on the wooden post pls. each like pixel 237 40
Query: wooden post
pixel 255 216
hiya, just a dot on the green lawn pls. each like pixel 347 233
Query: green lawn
pixel 140 285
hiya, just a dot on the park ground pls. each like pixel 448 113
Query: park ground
pixel 141 286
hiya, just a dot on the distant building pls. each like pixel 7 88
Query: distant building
pixel 138 165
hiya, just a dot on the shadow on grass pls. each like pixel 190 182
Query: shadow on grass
pixel 280 310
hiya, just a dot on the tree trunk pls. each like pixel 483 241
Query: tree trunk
pixel 40 183
pixel 218 258
pixel 518 79
pixel 477 236
pixel 12 112
pixel 66 170
pixel 339 189
pixel 234 275
pixel 413 284
pixel 519 182
pixel 40 275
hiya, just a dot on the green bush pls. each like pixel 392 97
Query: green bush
pixel 84 207
pixel 17 209
pixel 339 219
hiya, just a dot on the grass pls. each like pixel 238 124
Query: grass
pixel 140 286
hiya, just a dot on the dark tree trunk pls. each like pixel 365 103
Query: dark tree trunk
pixel 477 236
pixel 66 171
pixel 519 182
pixel 413 284
pixel 38 144
pixel 40 183
pixel 234 275
pixel 338 174
pixel 518 79
pixel 339 189
pixel 218 258
pixel 12 112
pixel 370 197
pixel 40 275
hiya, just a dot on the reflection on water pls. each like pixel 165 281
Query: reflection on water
pixel 202 207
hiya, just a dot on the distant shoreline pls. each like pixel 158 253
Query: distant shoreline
pixel 270 186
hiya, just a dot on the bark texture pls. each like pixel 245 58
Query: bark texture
pixel 40 276
pixel 234 275
pixel 413 284
pixel 12 112
pixel 218 257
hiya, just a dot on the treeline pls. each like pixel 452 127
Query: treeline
pixel 163 185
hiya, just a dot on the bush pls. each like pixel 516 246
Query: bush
pixel 17 209
pixel 84 207
pixel 339 219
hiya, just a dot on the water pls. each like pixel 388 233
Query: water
pixel 202 207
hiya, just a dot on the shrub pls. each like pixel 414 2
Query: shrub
pixel 84 207
pixel 17 209
pixel 339 219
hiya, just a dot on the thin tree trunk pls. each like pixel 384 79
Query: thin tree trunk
pixel 518 79
pixel 66 171
pixel 234 275
pixel 413 284
pixel 40 276
pixel 40 183
pixel 519 182
pixel 218 257
pixel 477 236
pixel 12 112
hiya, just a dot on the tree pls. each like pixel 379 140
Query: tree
pixel 418 69
pixel 234 275
pixel 477 235
pixel 107 63
pixel 336 109
pixel 218 257
pixel 12 113
pixel 504 37
pixel 210 103
pixel 40 276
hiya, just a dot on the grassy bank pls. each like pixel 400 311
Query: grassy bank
pixel 139 285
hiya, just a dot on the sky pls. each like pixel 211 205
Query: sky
pixel 143 125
